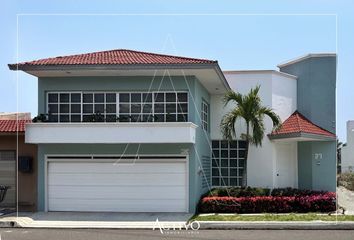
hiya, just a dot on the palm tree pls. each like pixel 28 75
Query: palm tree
pixel 249 108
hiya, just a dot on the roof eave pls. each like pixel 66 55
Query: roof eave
pixel 26 68
pixel 304 57
pixel 20 133
pixel 320 137
pixel 222 77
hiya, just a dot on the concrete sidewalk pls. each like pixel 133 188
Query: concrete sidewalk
pixel 77 220
pixel 94 220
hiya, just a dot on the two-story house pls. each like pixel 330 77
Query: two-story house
pixel 131 131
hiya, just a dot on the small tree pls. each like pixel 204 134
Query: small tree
pixel 249 108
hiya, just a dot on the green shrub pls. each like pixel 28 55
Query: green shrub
pixel 259 192
pixel 237 192
pixel 292 192
pixel 346 180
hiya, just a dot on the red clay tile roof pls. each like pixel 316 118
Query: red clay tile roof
pixel 297 123
pixel 113 57
pixel 10 126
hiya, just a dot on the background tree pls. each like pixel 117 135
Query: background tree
pixel 249 108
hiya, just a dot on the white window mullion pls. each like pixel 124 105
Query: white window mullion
pixel 130 107
pixel 104 108
pixel 82 106
pixel 117 106
pixel 69 106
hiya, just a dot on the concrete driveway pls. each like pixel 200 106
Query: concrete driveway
pixel 346 200
pixel 96 220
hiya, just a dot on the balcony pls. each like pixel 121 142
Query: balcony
pixel 111 133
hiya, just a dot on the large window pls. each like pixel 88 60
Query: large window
pixel 64 107
pixel 102 104
pixel 122 107
pixel 205 115
pixel 228 161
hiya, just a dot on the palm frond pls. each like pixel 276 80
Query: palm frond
pixel 248 107
pixel 227 125
pixel 273 116
pixel 232 96
pixel 258 129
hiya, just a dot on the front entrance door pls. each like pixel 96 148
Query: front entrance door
pixel 286 166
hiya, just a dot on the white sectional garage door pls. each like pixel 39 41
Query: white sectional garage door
pixel 145 186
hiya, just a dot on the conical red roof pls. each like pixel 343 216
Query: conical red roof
pixel 297 123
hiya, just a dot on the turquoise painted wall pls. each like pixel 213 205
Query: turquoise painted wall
pixel 316 89
pixel 202 148
pixel 304 156
pixel 317 174
pixel 115 84
pixel 316 100
pixel 196 93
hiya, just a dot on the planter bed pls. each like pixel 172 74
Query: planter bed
pixel 279 201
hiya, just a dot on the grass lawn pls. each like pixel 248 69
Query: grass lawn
pixel 273 217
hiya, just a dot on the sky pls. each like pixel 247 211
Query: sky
pixel 241 35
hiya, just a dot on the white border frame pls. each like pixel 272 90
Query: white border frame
pixel 47 161
pixel 160 14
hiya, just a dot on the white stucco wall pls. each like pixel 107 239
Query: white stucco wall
pixel 348 150
pixel 277 92
pixel 284 95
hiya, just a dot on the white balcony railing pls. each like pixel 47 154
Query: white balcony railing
pixel 164 132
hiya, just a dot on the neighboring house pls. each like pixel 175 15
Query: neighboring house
pixel 165 149
pixel 11 139
pixel 15 116
pixel 347 164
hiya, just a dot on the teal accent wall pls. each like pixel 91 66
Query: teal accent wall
pixel 316 100
pixel 197 92
pixel 304 156
pixel 317 174
pixel 122 84
pixel 202 148
pixel 316 89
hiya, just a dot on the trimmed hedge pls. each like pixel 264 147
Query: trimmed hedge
pixel 293 192
pixel 237 192
pixel 269 204
pixel 257 192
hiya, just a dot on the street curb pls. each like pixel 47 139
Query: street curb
pixel 8 224
pixel 303 225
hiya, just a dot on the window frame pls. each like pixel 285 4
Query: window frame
pixel 219 168
pixel 69 103
pixel 93 103
pixel 141 114
pixel 205 116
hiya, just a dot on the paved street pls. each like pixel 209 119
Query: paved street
pixel 84 234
